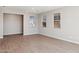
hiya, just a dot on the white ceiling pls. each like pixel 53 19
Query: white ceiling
pixel 33 9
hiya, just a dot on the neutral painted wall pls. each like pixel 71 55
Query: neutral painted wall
pixel 28 30
pixel 69 30
pixel 12 24
pixel 13 11
pixel 1 25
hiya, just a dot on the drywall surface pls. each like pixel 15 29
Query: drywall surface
pixel 1 25
pixel 27 29
pixel 69 30
pixel 12 24
pixel 12 11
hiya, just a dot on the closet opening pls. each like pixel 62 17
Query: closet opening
pixel 12 24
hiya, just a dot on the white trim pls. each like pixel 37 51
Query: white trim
pixel 60 38
pixel 72 41
pixel 30 34
pixel 1 37
pixel 12 34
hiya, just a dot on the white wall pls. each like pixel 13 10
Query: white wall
pixel 69 30
pixel 12 24
pixel 1 25
pixel 27 29
pixel 25 20
pixel 13 11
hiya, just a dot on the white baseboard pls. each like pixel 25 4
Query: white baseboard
pixel 30 34
pixel 1 37
pixel 72 41
pixel 12 34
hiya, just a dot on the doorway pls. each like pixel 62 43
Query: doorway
pixel 12 24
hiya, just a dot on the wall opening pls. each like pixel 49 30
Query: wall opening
pixel 12 24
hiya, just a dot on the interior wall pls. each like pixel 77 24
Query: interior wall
pixel 1 25
pixel 12 24
pixel 28 30
pixel 69 30
pixel 26 15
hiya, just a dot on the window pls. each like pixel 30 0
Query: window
pixel 31 21
pixel 57 20
pixel 44 21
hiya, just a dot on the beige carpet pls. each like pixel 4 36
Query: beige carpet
pixel 35 44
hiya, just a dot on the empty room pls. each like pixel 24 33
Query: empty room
pixel 39 29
